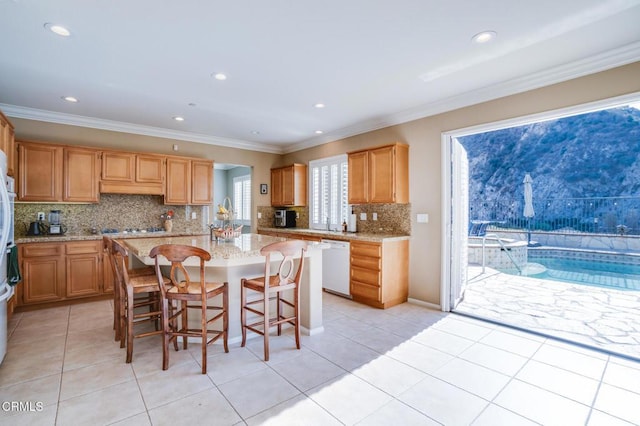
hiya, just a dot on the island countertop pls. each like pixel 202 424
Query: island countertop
pixel 244 247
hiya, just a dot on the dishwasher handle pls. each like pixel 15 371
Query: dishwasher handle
pixel 335 244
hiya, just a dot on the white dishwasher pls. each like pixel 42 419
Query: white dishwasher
pixel 335 268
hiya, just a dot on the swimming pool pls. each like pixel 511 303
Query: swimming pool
pixel 612 270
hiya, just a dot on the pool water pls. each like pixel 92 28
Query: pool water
pixel 588 272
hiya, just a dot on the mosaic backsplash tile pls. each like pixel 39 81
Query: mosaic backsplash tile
pixel 392 218
pixel 114 211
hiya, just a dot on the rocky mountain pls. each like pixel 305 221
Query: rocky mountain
pixel 588 155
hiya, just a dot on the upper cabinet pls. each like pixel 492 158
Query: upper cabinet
pixel 131 173
pixel 81 175
pixel 7 143
pixel 201 182
pixel 56 173
pixel 39 172
pixel 379 175
pixel 289 186
pixel 61 173
pixel 189 181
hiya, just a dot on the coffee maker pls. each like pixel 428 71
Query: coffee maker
pixel 55 223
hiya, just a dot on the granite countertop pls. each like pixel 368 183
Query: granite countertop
pixel 337 235
pixel 242 247
pixel 98 236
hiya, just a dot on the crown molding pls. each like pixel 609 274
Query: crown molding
pixel 119 126
pixel 602 62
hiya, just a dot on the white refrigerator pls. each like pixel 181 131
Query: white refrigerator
pixel 6 243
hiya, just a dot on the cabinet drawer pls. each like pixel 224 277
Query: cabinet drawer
pixel 371 250
pixel 41 250
pixel 372 263
pixel 365 290
pixel 365 275
pixel 84 247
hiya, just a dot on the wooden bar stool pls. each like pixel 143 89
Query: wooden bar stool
pixel 129 306
pixel 183 291
pixel 107 245
pixel 271 287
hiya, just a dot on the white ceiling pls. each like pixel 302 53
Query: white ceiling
pixel 134 65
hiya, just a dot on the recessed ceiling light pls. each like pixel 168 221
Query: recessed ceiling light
pixel 57 29
pixel 219 76
pixel 319 105
pixel 484 37
pixel 70 99
pixel 319 132
pixel 192 104
pixel 178 118
pixel 255 132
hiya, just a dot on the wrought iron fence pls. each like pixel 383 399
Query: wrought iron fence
pixel 606 215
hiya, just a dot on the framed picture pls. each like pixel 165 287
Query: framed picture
pixel 263 188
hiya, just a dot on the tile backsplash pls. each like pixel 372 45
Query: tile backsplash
pixel 114 211
pixel 392 218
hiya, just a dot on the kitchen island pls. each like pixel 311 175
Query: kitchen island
pixel 238 258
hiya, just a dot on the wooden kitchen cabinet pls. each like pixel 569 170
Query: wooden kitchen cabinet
pixel 39 172
pixel 7 142
pixel 201 182
pixel 43 273
pixel 60 271
pixel 289 185
pixel 178 189
pixel 379 273
pixel 81 175
pixel 83 268
pixel 379 175
pixel 132 173
pixel 189 181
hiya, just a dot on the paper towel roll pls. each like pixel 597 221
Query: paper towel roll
pixel 352 223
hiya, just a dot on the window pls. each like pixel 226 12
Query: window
pixel 242 198
pixel 328 180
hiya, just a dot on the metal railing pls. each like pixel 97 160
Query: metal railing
pixel 603 215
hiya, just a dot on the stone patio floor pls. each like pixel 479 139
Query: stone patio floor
pixel 597 317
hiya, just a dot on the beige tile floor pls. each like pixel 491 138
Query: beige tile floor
pixel 403 366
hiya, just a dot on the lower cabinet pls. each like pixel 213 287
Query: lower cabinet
pixel 53 272
pixel 379 274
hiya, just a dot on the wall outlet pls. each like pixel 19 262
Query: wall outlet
pixel 374 216
pixel 297 215
pixel 40 215
pixel 363 216
pixel 194 215
pixel 422 218
pixel 259 215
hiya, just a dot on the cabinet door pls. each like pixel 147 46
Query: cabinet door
pixel 39 172
pixel 11 152
pixel 382 177
pixel 149 169
pixel 288 186
pixel 7 143
pixel 178 187
pixel 81 175
pixel 83 268
pixel 118 166
pixel 201 182
pixel 43 272
pixel 358 177
pixel 276 187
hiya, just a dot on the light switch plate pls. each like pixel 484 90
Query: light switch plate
pixel 363 216
pixel 422 218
